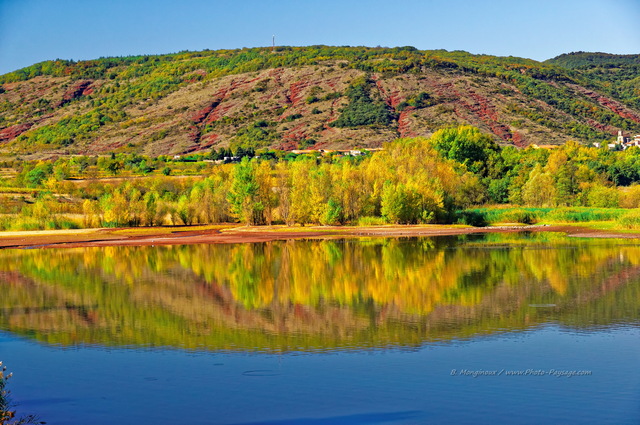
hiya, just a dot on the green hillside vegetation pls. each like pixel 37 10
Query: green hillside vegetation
pixel 191 101
pixel 362 109
pixel 587 60
pixel 620 74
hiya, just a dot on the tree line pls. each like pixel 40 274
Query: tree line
pixel 414 180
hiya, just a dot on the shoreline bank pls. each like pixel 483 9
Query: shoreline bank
pixel 231 233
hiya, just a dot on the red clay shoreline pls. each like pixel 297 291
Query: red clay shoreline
pixel 237 234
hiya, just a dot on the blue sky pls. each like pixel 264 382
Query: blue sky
pixel 35 30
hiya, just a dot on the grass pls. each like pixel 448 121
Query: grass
pixel 584 214
pixel 53 222
pixel 25 190
pixel 168 229
pixel 281 228
pixel 371 221
pixel 614 219
pixel 630 220
pixel 560 215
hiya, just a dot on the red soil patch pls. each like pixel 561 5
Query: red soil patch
pixel 276 75
pixel 446 90
pixel 333 115
pixel 487 114
pixel 519 140
pixel 194 134
pixel 295 91
pixel 218 113
pixel 209 140
pixel 481 109
pixel 287 145
pixel 404 124
pixel 612 105
pixel 77 90
pixel 295 134
pixel 14 131
pixel 602 127
pixel 392 99
pixel 203 113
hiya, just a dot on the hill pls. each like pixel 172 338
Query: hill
pixel 586 60
pixel 617 74
pixel 297 97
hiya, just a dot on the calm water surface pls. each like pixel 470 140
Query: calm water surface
pixel 473 329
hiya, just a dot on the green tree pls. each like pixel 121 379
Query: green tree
pixel 563 171
pixel 539 190
pixel 333 213
pixel 363 108
pixel 150 200
pixel 37 175
pixel 603 197
pixel 243 194
pixel 402 204
pixel 468 146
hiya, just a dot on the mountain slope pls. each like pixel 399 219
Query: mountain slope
pixel 321 97
pixel 619 75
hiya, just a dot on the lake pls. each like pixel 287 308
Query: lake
pixel 494 328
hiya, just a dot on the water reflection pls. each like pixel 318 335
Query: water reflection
pixel 317 295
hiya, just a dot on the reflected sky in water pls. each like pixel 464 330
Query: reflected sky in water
pixel 333 331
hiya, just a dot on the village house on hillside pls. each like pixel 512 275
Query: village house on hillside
pixel 622 142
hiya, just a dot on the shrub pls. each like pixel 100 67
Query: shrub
pixel 371 221
pixel 578 215
pixel 333 214
pixel 472 218
pixel 630 220
pixel 7 414
pixel 293 117
pixel 603 197
pixel 363 109
pixel 518 215
pixel 505 215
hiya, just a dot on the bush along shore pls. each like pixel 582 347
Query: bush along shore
pixel 7 412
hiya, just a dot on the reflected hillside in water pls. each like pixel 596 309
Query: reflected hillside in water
pixel 317 295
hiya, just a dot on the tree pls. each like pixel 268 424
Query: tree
pixel 363 109
pixel 36 176
pixel 283 187
pixel 468 146
pixel 470 191
pixel 91 213
pixel 61 170
pixel 150 200
pixel 565 181
pixel 185 210
pixel 410 203
pixel 539 190
pixel 603 197
pixel 115 209
pixel 333 213
pixel 395 203
pixel 113 166
pixel 268 198
pixel 243 194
